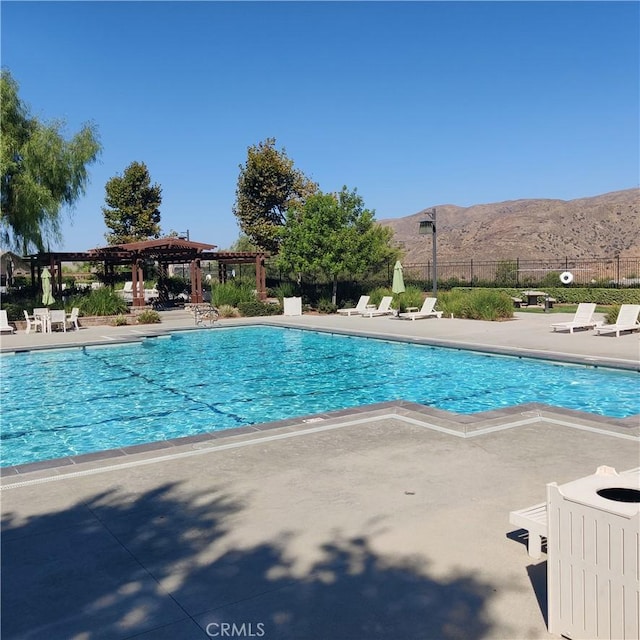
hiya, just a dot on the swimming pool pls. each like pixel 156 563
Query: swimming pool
pixel 73 401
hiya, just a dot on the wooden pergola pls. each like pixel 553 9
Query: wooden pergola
pixel 165 251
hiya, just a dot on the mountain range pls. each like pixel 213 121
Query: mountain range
pixel 595 227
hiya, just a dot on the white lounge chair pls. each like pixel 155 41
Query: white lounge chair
pixel 627 320
pixel 583 319
pixel 361 307
pixel 4 322
pixel 427 311
pixel 150 295
pixel 127 291
pixel 384 308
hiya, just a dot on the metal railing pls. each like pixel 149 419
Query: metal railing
pixel 613 272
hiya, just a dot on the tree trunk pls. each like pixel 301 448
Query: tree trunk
pixel 334 293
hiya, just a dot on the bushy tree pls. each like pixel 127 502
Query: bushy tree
pixel 41 171
pixel 506 273
pixel 132 212
pixel 244 243
pixel 268 185
pixel 333 235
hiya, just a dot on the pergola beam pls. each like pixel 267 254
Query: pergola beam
pixel 165 251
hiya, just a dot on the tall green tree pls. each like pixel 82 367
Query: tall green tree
pixel 334 236
pixel 42 172
pixel 133 206
pixel 268 185
pixel 243 243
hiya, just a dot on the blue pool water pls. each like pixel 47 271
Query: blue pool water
pixel 72 401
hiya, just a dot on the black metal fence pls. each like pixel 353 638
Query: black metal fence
pixel 613 272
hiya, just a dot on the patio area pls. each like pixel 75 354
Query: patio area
pixel 386 522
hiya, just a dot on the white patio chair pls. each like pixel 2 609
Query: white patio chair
pixel 33 322
pixel 72 318
pixel 58 317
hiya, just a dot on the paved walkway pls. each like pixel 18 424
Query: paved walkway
pixel 390 523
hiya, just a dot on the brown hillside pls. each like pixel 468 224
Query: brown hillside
pixel 601 226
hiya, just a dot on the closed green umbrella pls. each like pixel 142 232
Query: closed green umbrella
pixel 47 296
pixel 398 279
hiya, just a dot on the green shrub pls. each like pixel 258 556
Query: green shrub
pixel 231 293
pixel 612 314
pixel 119 321
pixel 483 304
pixel 376 295
pixel 326 306
pixel 149 317
pixel 284 290
pixel 174 285
pixel 550 279
pixel 258 308
pixel 100 302
pixel 16 302
pixel 574 295
pixel 227 311
pixel 412 296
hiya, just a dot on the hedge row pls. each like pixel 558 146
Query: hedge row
pixel 258 308
pixel 574 295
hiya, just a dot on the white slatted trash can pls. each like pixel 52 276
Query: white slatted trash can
pixel 292 306
pixel 593 556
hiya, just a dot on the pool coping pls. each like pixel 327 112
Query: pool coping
pixel 460 425
pixel 463 424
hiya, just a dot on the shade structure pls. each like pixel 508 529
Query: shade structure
pixel 398 279
pixel 47 297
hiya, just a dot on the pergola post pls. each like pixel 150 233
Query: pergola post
pixel 196 281
pixel 222 272
pixel 55 268
pixel 261 278
pixel 137 278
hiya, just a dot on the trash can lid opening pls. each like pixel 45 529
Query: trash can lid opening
pixel 620 494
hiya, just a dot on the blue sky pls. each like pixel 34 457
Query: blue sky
pixel 415 104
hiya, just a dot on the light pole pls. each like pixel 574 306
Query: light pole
pixel 425 226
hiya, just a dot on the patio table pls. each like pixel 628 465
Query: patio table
pixel 43 316
pixel 532 296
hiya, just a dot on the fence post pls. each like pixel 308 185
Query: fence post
pixel 517 272
pixel 471 274
pixel 617 272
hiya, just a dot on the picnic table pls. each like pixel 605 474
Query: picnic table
pixel 532 296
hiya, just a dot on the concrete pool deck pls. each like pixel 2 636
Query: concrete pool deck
pixel 383 523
